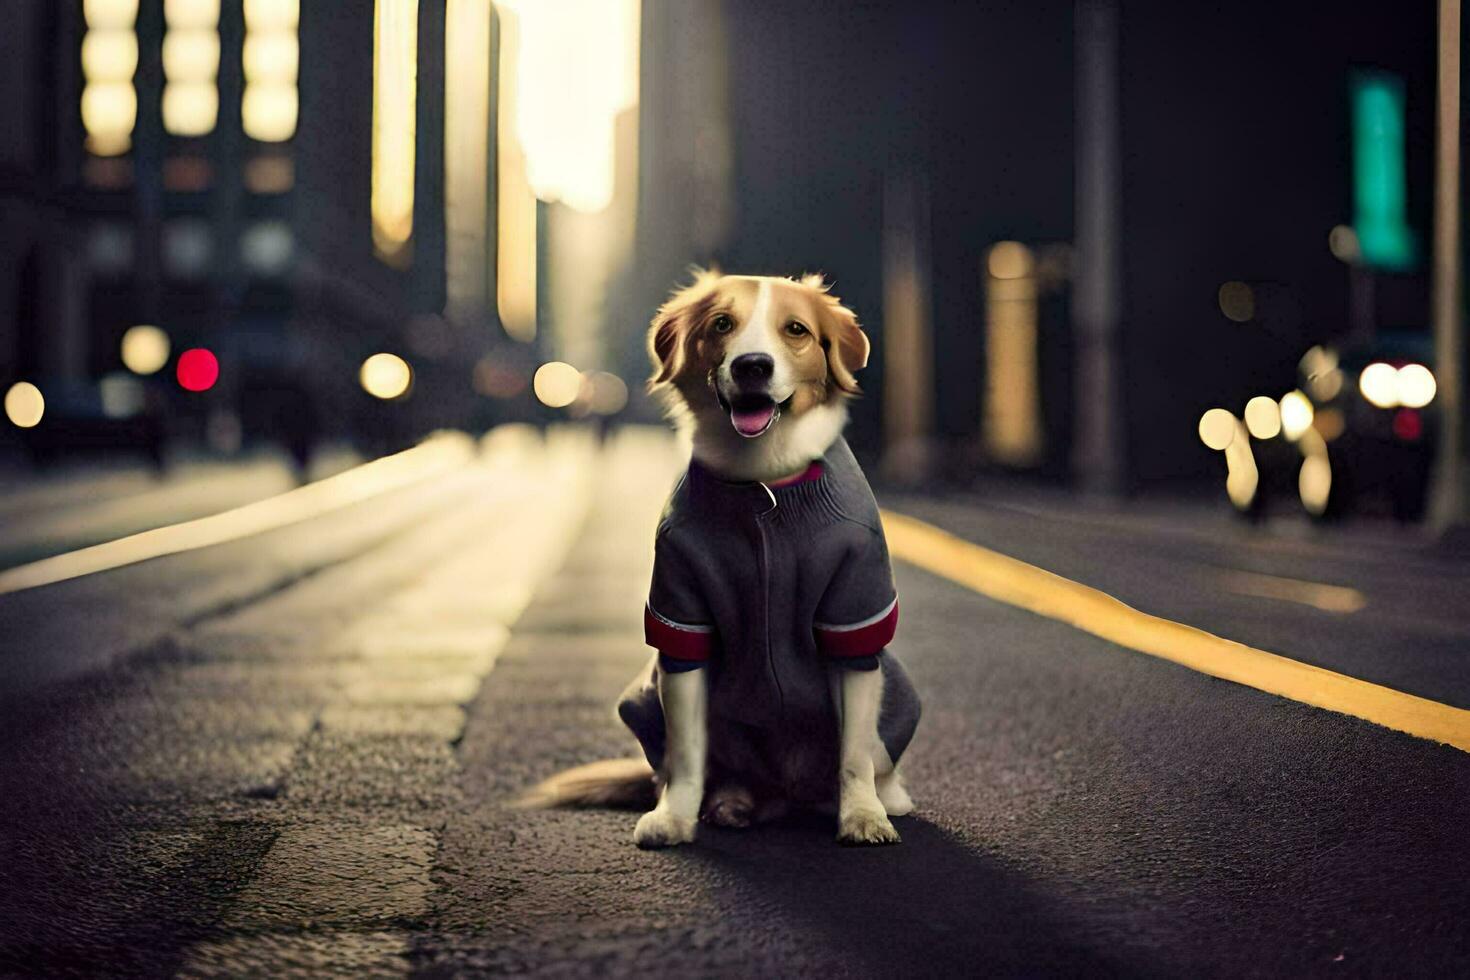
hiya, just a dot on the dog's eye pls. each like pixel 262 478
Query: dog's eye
pixel 794 329
pixel 722 323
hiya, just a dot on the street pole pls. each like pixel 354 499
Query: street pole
pixel 1447 502
pixel 1097 456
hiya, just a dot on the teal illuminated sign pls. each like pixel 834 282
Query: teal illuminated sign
pixel 1379 182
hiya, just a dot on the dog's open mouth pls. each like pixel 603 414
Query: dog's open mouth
pixel 752 414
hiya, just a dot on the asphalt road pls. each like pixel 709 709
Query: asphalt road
pixel 291 755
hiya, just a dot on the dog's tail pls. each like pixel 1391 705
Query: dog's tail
pixel 617 783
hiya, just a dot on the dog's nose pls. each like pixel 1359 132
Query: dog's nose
pixel 752 369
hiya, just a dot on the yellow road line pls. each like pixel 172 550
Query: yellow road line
pixel 1037 590
pixel 430 458
pixel 1328 598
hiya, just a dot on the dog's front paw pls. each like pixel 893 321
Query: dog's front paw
pixel 864 827
pixel 661 828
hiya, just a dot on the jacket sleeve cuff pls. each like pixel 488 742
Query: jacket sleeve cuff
pixel 677 641
pixel 861 639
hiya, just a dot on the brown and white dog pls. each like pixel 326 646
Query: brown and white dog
pixel 757 370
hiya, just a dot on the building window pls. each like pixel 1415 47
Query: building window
pixel 466 153
pixel 109 60
pixel 271 58
pixel 190 66
pixel 395 88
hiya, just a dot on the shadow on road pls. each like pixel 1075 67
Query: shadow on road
pixel 930 906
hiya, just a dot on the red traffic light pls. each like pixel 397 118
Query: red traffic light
pixel 198 369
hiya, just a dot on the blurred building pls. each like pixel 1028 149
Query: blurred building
pixel 210 167
pixel 1069 227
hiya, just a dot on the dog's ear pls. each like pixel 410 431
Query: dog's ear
pixel 669 333
pixel 847 346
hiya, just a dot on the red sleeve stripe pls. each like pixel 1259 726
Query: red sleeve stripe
pixel 861 639
pixel 679 641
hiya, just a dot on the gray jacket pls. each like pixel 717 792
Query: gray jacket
pixel 766 587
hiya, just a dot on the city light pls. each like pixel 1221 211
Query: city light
pixel 268 112
pixel 395 90
pixel 265 16
pixel 1263 417
pixel 24 405
pixel 1380 184
pixel 385 376
pixel 109 103
pixel 466 152
pixel 1408 425
pixel 1314 482
pixel 1242 478
pixel 145 349
pixel 1012 409
pixel 198 369
pixel 271 59
pixel 557 384
pixel 1009 260
pixel 565 118
pixel 190 109
pixel 1237 301
pixel 191 13
pixel 1379 384
pixel 122 395
pixel 1329 423
pixel 515 241
pixel 105 15
pixel 1415 385
pixel 1296 414
pixel 267 247
pixel 1217 429
pixel 1319 365
pixel 190 65
pixel 495 380
pixel 1342 241
pixel 609 393
pixel 109 54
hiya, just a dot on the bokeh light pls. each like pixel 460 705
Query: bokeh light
pixel 557 384
pixel 1416 386
pixel 198 369
pixel 1237 301
pixel 122 395
pixel 1263 417
pixel 1243 477
pixel 609 393
pixel 109 14
pixel 1379 383
pixel 1343 242
pixel 1217 429
pixel 496 380
pixel 1408 425
pixel 145 349
pixel 24 404
pixel 1314 483
pixel 1009 260
pixel 385 376
pixel 1319 366
pixel 565 120
pixel 1296 414
pixel 1330 423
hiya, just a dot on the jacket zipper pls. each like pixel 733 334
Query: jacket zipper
pixel 765 573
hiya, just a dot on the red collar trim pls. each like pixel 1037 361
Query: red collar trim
pixel 812 472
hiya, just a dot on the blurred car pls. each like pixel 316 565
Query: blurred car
pixel 119 414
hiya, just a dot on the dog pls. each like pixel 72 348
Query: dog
pixel 772 602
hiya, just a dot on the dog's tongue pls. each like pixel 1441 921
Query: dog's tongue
pixel 752 422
